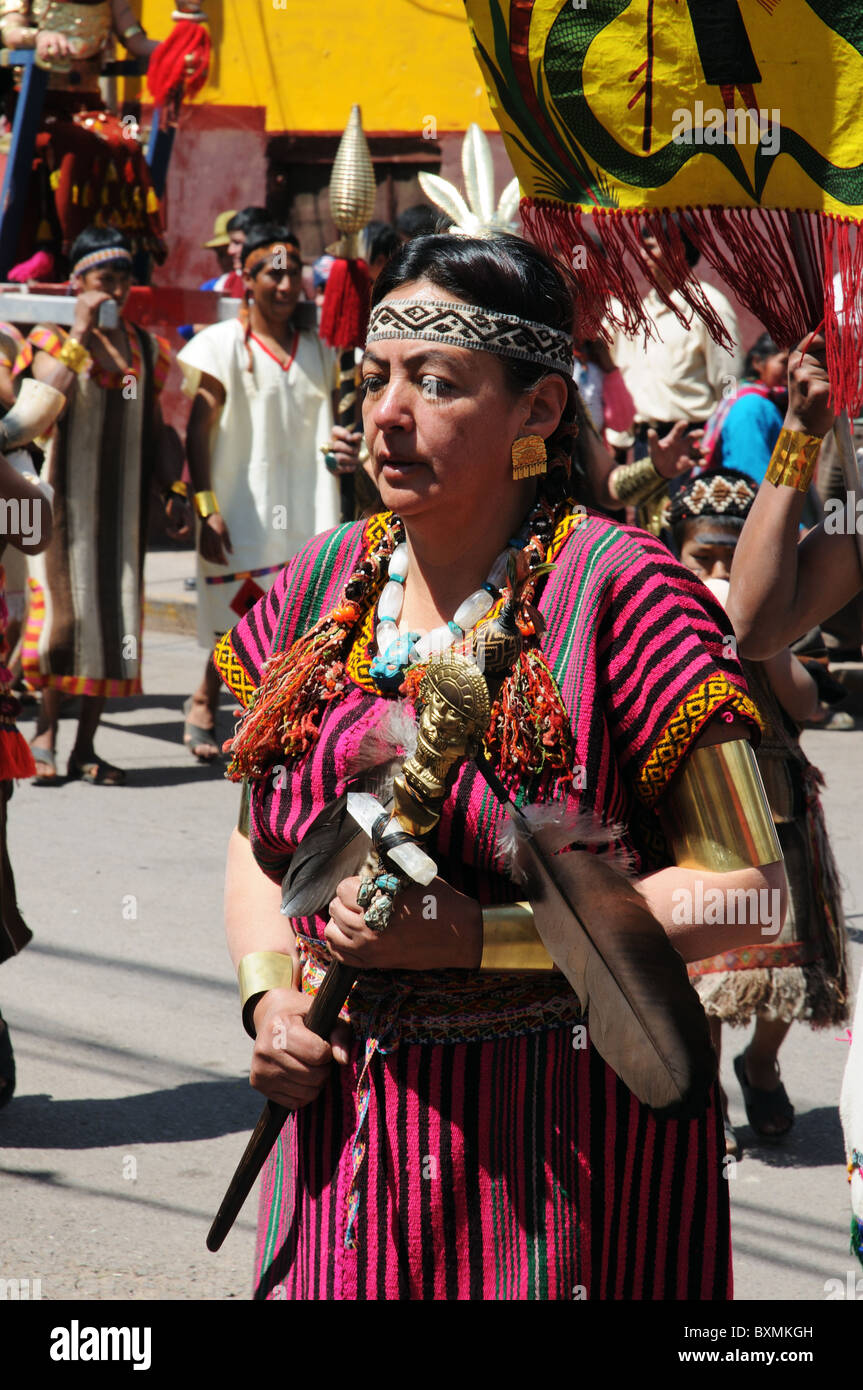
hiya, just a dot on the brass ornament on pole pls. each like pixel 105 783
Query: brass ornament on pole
pixel 352 187
pixel 347 298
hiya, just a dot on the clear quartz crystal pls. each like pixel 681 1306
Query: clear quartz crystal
pixel 468 614
pixel 365 810
pixel 386 634
pixel 390 601
pixel 398 566
pixel 497 573
pixel 435 642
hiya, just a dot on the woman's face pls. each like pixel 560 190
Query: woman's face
pixel 440 422
pixel 773 370
pixel 708 548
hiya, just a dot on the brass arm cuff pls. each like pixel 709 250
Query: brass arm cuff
pixel 716 814
pixel 206 504
pixel 259 972
pixel 793 460
pixel 510 941
pixel 74 356
pixel 633 483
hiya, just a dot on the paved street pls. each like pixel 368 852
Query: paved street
pixel 132 1104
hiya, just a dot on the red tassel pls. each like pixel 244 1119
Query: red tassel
pixel 529 723
pixel 16 760
pixel 751 248
pixel 347 300
pixel 169 78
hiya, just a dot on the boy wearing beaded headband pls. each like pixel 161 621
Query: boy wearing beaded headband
pixel 262 410
pixel 801 972
pixel 84 633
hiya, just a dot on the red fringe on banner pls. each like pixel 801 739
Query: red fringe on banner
pixel 780 265
pixel 347 300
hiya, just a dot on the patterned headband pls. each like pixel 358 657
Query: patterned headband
pixel 712 495
pixel 469 326
pixel 114 254
pixel 262 254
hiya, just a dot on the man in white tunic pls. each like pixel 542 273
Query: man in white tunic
pixel 262 409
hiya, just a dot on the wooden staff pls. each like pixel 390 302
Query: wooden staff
pixel 321 1019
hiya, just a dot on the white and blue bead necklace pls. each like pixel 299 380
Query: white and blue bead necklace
pixel 396 651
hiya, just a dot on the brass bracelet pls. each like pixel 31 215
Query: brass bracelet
pixel 206 504
pixel 176 489
pixel 29 35
pixel 74 356
pixel 793 460
pixel 633 483
pixel 510 940
pixel 257 973
pixel 716 814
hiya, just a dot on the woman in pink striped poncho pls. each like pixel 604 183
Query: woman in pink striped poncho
pixel 469 1142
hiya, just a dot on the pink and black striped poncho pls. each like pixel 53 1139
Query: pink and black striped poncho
pixel 477 1146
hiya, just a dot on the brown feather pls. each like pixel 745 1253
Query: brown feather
pixel 644 1017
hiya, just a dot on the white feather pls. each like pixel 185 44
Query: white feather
pixel 478 170
pixel 507 206
pixel 393 736
pixel 555 829
pixel 446 196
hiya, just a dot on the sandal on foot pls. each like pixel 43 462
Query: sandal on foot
pixel 195 737
pixel 95 771
pixel 764 1106
pixel 7 1065
pixel 44 757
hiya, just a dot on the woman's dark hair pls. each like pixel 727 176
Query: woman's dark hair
pixel 761 349
pixel 100 239
pixel 248 218
pixel 421 219
pixel 268 234
pixel 503 273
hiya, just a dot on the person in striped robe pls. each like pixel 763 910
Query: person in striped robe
pixel 471 1143
pixel 84 632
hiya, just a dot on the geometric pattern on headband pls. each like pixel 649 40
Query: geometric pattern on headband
pixel 469 326
pixel 713 494
pixel 101 257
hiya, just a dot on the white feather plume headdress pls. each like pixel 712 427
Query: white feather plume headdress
pixel 478 215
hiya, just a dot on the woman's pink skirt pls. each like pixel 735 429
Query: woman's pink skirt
pixel 513 1168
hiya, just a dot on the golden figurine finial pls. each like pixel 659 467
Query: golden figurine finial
pixel 456 709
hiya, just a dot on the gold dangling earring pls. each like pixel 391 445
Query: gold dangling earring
pixel 529 457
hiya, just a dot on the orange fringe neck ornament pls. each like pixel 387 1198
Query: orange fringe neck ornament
pixel 529 727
